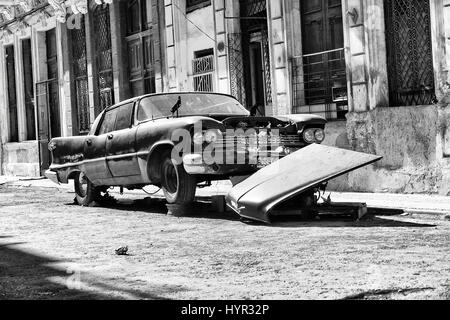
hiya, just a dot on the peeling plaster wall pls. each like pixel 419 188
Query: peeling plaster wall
pixel 409 140
pixel 196 40
pixel 415 141
pixel 336 136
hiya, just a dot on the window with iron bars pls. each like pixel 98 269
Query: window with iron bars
pixel 203 70
pixel 409 52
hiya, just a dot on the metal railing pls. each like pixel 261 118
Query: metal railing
pixel 319 79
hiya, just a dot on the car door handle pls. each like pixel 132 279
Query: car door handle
pixel 110 136
pixel 89 142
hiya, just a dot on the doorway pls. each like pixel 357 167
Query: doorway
pixel 249 58
pixel 12 98
pixel 323 59
pixel 257 74
pixel 140 42
pixel 47 98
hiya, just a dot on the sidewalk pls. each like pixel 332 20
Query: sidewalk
pixel 414 203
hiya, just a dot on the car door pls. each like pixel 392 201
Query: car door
pixel 120 148
pixel 96 167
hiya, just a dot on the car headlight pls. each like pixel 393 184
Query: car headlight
pixel 197 138
pixel 319 135
pixel 308 135
pixel 212 136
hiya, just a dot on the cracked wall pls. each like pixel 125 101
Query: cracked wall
pixel 409 139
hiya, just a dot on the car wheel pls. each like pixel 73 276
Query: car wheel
pixel 85 191
pixel 178 186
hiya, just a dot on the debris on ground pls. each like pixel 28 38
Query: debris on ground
pixel 122 251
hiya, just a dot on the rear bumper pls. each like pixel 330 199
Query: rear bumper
pixel 52 175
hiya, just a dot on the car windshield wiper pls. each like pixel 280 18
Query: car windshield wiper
pixel 176 107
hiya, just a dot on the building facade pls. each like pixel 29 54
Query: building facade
pixel 376 69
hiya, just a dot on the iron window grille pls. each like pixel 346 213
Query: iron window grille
pixel 79 65
pixel 203 70
pixel 409 52
pixel 236 62
pixel 103 52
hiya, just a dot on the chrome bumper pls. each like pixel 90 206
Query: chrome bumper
pixel 52 175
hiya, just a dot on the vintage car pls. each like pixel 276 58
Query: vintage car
pixel 135 144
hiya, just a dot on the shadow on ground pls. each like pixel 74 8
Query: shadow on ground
pixel 385 294
pixel 27 275
pixel 326 221
pixel 203 209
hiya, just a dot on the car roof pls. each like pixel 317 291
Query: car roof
pixel 134 99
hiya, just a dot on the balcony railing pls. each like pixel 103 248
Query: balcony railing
pixel 320 83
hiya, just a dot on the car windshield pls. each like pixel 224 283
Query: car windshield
pixel 192 104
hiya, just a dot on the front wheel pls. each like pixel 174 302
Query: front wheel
pixel 85 191
pixel 178 186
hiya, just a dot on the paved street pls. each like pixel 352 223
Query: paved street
pixel 51 248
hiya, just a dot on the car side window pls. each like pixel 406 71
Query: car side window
pixel 123 120
pixel 108 122
pixel 147 110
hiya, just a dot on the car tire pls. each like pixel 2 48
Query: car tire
pixel 178 186
pixel 85 191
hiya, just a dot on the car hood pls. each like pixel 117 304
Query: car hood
pixel 303 170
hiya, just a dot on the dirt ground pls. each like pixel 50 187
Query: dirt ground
pixel 52 249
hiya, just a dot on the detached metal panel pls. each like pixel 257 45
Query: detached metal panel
pixel 303 170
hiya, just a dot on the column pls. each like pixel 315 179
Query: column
pixel 119 53
pixel 170 45
pixel 222 69
pixel 365 50
pixel 278 58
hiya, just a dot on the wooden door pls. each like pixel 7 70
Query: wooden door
pixel 141 47
pixel 12 98
pixel 53 86
pixel 29 89
pixel 322 27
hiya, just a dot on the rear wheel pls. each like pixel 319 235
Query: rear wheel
pixel 178 186
pixel 85 191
